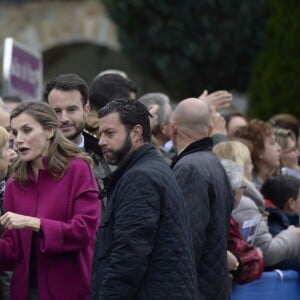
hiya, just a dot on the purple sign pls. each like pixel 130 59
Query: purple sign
pixel 22 71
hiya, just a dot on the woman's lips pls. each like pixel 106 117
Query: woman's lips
pixel 23 150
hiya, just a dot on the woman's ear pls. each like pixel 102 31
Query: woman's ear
pixel 50 133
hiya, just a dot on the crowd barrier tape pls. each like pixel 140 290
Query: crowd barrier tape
pixel 274 285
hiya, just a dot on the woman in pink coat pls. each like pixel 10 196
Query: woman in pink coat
pixel 52 211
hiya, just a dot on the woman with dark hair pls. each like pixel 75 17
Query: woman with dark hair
pixel 52 211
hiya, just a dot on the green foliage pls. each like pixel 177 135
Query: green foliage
pixel 275 85
pixel 191 45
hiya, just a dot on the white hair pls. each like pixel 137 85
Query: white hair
pixel 235 172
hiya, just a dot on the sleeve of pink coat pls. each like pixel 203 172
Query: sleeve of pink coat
pixel 80 230
pixel 10 244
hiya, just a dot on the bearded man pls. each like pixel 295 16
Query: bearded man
pixel 143 248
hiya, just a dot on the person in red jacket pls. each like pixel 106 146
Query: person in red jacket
pixel 51 211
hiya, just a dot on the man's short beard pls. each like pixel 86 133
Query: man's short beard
pixel 119 155
pixel 75 135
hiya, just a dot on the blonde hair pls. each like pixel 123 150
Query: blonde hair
pixel 237 152
pixel 4 137
pixel 233 150
pixel 61 150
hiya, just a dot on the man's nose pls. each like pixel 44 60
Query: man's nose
pixel 102 141
pixel 64 116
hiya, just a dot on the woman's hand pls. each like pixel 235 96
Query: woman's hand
pixel 15 221
pixel 231 261
pixel 13 155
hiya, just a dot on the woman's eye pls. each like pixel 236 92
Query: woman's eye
pixel 27 130
pixel 14 132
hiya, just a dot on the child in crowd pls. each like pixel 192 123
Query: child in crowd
pixel 282 198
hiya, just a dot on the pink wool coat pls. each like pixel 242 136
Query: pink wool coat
pixel 69 210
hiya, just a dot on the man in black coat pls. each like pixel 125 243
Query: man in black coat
pixel 143 248
pixel 207 193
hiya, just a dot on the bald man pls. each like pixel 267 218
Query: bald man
pixel 207 193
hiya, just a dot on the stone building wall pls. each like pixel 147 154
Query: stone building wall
pixel 45 24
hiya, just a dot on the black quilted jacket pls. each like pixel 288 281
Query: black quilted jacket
pixel 208 195
pixel 144 249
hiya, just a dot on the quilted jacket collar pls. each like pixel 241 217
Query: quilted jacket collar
pixel 133 157
pixel 205 144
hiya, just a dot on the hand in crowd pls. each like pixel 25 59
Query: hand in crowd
pixel 231 260
pixel 219 99
pixel 13 155
pixel 218 122
pixel 265 216
pixel 260 253
pixel 295 229
pixel 16 221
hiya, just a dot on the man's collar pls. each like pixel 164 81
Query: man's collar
pixel 81 143
pixel 204 144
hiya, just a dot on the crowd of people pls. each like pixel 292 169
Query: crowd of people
pixel 108 194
